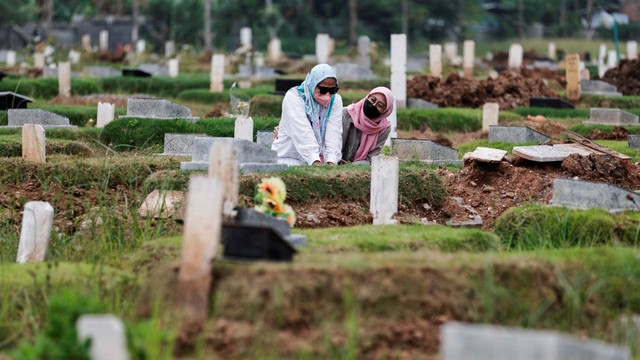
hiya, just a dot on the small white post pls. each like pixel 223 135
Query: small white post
pixel 217 73
pixel 64 79
pixel 107 334
pixel 468 57
pixel 34 143
pixel 435 60
pixel 104 40
pixel 174 68
pixel 35 232
pixel 384 189
pixel 399 69
pixel 274 50
pixel 246 38
pixel 490 112
pixel 515 56
pixel 322 48
pixel 106 114
pixel 612 59
pixel 243 128
pixel 223 165
pixel 632 50
pixel 364 48
pixel 551 51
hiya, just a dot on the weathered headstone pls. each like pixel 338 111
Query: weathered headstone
pixel 169 48
pixel 515 134
pixel 174 68
pixel 264 138
pixel 598 87
pixel 634 141
pixel 364 49
pixel 107 334
pixel 426 151
pixel 606 116
pixel 33 143
pixel 612 59
pixel 102 71
pixel 484 154
pixel 47 119
pixel 384 189
pixel 435 60
pixel 468 57
pixel 246 38
pixel 251 156
pixel 274 50
pixel 11 58
pixel 243 128
pixel 586 194
pixel 217 73
pixel 487 342
pixel 106 114
pixel 573 76
pixel 399 69
pixel 551 53
pixel 64 79
pixel 322 48
pixel 632 50
pixel 35 232
pixel 516 53
pixel 179 144
pixel 541 153
pixel 86 42
pixel 490 112
pixel 38 60
pixel 163 204
pixel 104 40
pixel 157 109
pixel 223 165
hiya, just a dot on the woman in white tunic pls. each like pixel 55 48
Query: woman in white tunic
pixel 310 129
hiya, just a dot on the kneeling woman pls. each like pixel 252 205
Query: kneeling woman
pixel 366 127
pixel 310 128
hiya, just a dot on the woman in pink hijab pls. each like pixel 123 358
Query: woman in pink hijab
pixel 365 127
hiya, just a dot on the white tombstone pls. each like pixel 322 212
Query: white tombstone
pixel 435 60
pixel 64 79
pixel 274 50
pixel 364 49
pixel 37 220
pixel 399 69
pixel 602 55
pixel 384 189
pixel 632 50
pixel 74 56
pixel 583 71
pixel 38 60
pixel 86 42
pixel 551 53
pixel 243 128
pixel 174 67
pixel 515 56
pixel 224 165
pixel 49 50
pixel 169 48
pixel 11 58
pixel 106 114
pixel 322 48
pixel 107 334
pixel 468 57
pixel 246 38
pixel 490 112
pixel 258 59
pixel 33 143
pixel 217 73
pixel 450 51
pixel 141 47
pixel 104 40
pixel 612 59
pixel 202 227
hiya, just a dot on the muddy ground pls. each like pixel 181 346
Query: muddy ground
pixel 626 77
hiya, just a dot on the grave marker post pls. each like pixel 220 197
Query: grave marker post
pixel 107 334
pixel 35 232
pixel 33 143
pixel 573 76
pixel 515 56
pixel 224 165
pixel 64 79
pixel 104 40
pixel 468 57
pixel 384 189
pixel 435 60
pixel 632 50
pixel 490 112
pixel 217 73
pixel 399 69
pixel 322 48
pixel 106 114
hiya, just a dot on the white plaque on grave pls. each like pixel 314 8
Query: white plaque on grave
pixel 384 189
pixel 37 220
pixel 515 56
pixel 106 114
pixel 174 68
pixel 107 334
pixel 632 50
pixel 64 79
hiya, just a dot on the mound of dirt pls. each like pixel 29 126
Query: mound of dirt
pixel 626 77
pixel 509 90
pixel 619 133
pixel 603 168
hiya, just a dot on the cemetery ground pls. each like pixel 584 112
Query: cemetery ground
pixel 355 290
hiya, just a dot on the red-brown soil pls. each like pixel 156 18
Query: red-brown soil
pixel 626 77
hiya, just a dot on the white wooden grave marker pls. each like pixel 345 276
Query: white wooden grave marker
pixel 64 79
pixel 515 56
pixel 435 60
pixel 322 48
pixel 632 50
pixel 104 40
pixel 399 69
pixel 11 58
pixel 217 73
pixel 468 57
pixel 174 67
pixel 223 165
pixel 106 114
pixel 35 232
pixel 384 189
pixel 490 112
pixel 33 143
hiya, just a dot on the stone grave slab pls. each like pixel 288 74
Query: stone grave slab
pixel 100 71
pixel 541 153
pixel 586 194
pixel 598 87
pixel 47 119
pixel 11 100
pixel 264 138
pixel 179 144
pixel 427 151
pixel 487 342
pixel 413 103
pixel 37 220
pixel 634 141
pixel 515 134
pixel 251 156
pixel 354 72
pixel 163 205
pixel 486 155
pixel 554 103
pixel 154 69
pixel 604 116
pixel 157 109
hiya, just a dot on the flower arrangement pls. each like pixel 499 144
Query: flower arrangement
pixel 270 196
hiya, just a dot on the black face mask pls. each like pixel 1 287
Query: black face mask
pixel 370 111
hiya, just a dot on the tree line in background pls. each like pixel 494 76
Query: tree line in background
pixel 296 22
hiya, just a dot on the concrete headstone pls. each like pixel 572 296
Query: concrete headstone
pixel 541 153
pixel 47 119
pixel 634 141
pixel 384 189
pixel 426 151
pixel 243 128
pixel 64 79
pixel 217 73
pixel 515 134
pixel 573 76
pixel 487 155
pixel 35 232
pixel 322 48
pixel 551 51
pixel 106 114
pixel 157 109
pixel 587 194
pixel 598 87
pixel 179 144
pixel 490 112
pixel 606 116
pixel 264 138
pixel 174 67
pixel 516 53
pixel 355 72
pixel 435 60
pixel 107 334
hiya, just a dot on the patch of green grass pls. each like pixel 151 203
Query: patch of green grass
pixel 537 226
pixel 586 130
pixel 629 103
pixel 552 113
pixel 621 146
pixel 446 119
pixel 374 238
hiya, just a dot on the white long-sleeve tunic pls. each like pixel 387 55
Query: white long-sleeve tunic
pixel 296 144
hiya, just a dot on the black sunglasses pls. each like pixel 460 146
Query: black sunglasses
pixel 331 90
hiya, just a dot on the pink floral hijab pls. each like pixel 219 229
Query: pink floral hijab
pixel 371 128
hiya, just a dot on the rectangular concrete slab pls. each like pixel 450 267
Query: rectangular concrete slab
pixel 634 141
pixel 541 153
pixel 603 116
pixel 486 342
pixel 157 109
pixel 179 144
pixel 515 134
pixel 19 117
pixel 587 194
pixel 422 150
pixel 598 87
pixel 484 154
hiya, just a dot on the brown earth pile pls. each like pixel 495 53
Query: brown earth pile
pixel 509 90
pixel 626 77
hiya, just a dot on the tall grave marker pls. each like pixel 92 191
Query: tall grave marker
pixel 551 51
pixel 322 48
pixel 632 50
pixel 384 189
pixel 33 143
pixel 246 38
pixel 174 67
pixel 364 49
pixel 468 57
pixel 573 76
pixel 490 112
pixel 37 220
pixel 217 73
pixel 515 56
pixel 435 60
pixel 104 40
pixel 64 79
pixel 274 50
pixel 106 114
pixel 224 165
pixel 399 69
